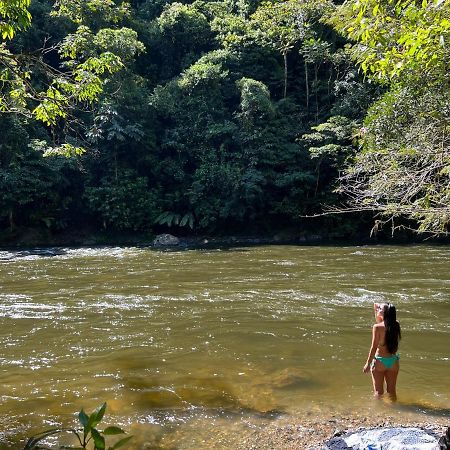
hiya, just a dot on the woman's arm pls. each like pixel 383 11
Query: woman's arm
pixel 375 310
pixel 373 349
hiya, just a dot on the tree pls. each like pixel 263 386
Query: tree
pixel 330 144
pixel 123 201
pixel 398 39
pixel 403 169
pixel 34 86
pixel 185 34
pixel 281 24
pixel 33 189
pixel 193 130
pixel 315 52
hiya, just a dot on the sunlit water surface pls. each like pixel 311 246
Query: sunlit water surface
pixel 186 344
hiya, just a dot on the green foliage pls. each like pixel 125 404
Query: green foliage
pixel 88 434
pixel 333 139
pixel 315 50
pixel 255 104
pixel 404 167
pixel 123 202
pixel 93 13
pixel 122 42
pixel 402 170
pixel 67 150
pixel 15 16
pixel 33 187
pixel 170 219
pixel 110 126
pixel 331 145
pixel 53 97
pixel 204 72
pixel 233 31
pixel 216 186
pixel 176 114
pixel 399 39
pixel 281 24
pixel 181 22
pixel 22 184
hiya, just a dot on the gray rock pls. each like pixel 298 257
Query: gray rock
pixel 166 240
pixel 395 438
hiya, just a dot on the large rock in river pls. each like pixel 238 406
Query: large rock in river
pixel 166 240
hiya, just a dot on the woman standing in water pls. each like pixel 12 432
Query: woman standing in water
pixel 383 361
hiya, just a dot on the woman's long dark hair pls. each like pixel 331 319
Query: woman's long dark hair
pixel 392 327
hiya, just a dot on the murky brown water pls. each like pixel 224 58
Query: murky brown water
pixel 188 343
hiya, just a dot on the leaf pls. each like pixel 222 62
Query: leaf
pixel 167 220
pixel 83 418
pixel 113 430
pixel 120 443
pixel 160 219
pixel 184 220
pixel 99 440
pixel 97 416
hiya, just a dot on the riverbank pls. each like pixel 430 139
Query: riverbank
pixel 311 434
pixel 31 237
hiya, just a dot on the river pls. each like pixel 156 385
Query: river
pixel 182 344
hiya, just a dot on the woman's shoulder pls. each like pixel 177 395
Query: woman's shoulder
pixel 378 326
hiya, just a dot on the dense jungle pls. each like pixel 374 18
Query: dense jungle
pixel 223 117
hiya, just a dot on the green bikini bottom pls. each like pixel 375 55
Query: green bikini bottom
pixel 388 361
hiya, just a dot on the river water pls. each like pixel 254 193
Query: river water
pixel 183 344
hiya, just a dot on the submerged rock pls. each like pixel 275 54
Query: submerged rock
pixel 286 378
pixel 397 438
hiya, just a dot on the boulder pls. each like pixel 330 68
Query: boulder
pixel 166 240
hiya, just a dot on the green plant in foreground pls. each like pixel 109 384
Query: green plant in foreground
pixel 88 437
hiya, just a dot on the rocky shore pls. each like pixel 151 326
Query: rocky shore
pixel 311 431
pixel 25 238
pixel 312 434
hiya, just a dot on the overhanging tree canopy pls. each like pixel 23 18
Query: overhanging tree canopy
pixel 403 169
pixel 33 87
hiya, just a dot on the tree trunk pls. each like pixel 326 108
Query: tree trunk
pixel 307 85
pixel 329 85
pixel 285 74
pixel 116 170
pixel 316 84
pixel 11 220
pixel 316 190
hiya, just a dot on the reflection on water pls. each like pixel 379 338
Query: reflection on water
pixel 178 342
